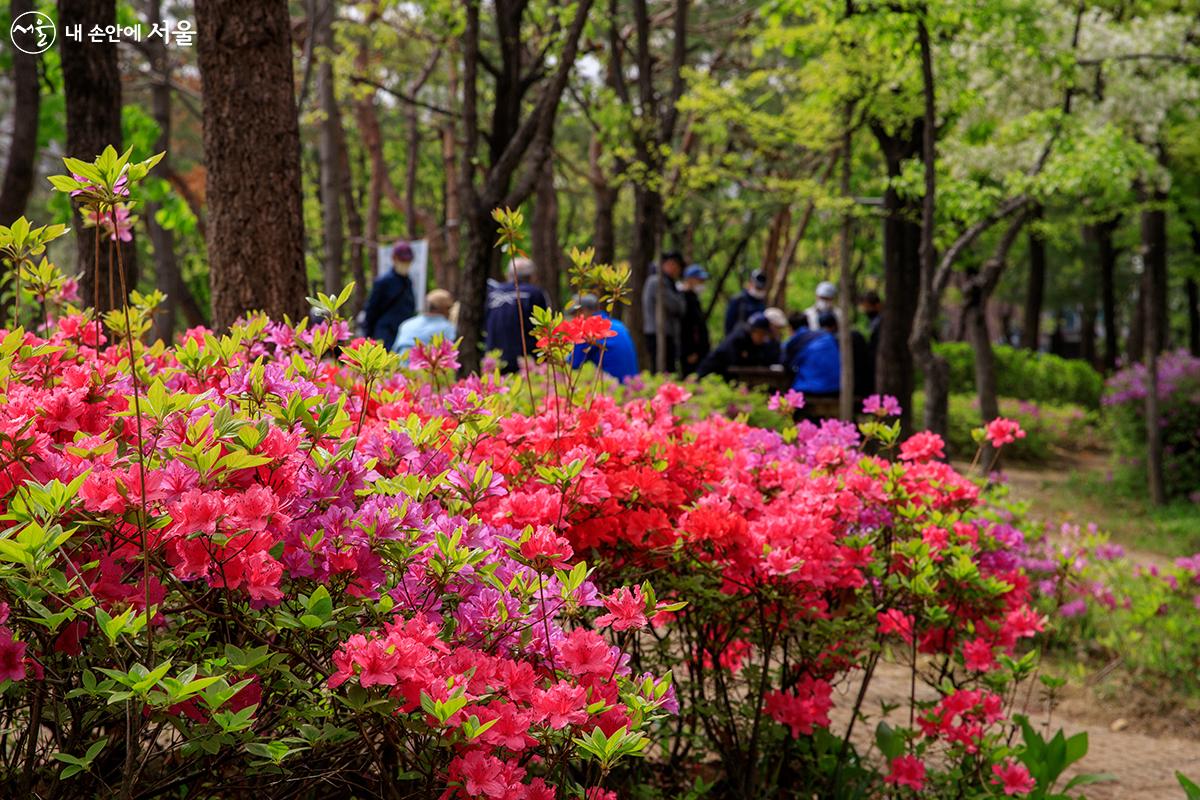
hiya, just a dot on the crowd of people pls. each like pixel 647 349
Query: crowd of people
pixel 803 344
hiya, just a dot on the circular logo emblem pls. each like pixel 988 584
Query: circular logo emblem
pixel 33 33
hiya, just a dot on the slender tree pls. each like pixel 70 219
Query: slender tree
pixel 92 87
pixel 22 149
pixel 511 142
pixel 252 155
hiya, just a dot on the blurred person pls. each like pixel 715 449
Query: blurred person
pixel 779 333
pixel 674 307
pixel 510 305
pixel 814 358
pixel 750 345
pixel 433 321
pixel 866 348
pixel 694 342
pixel 391 301
pixel 750 301
pixel 615 355
pixel 826 295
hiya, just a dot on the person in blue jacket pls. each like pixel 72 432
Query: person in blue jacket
pixel 434 321
pixel 392 300
pixel 814 358
pixel 750 301
pixel 619 355
pixel 508 313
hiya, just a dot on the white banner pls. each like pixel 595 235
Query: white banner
pixel 419 272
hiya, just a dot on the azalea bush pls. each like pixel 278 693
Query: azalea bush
pixel 275 560
pixel 1179 407
pixel 1111 608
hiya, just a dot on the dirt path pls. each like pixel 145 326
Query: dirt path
pixel 1122 740
pixel 1144 766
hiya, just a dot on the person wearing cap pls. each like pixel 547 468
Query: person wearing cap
pixel 510 305
pixel 616 355
pixel 391 300
pixel 750 345
pixel 750 301
pixel 826 295
pixel 674 307
pixel 433 321
pixel 814 358
pixel 694 342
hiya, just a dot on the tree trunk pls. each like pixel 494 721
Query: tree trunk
pixel 1154 240
pixel 605 199
pixel 937 371
pixel 453 210
pixel 544 247
pixel 1193 300
pixel 894 368
pixel 166 268
pixel 92 87
pixel 1107 256
pixel 22 149
pixel 846 279
pixel 1087 341
pixel 975 320
pixel 252 153
pixel 329 152
pixel 1031 329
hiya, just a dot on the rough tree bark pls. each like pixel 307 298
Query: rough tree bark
pixel 252 153
pixel 901 272
pixel 1106 255
pixel 22 147
pixel 329 151
pixel 511 141
pixel 1031 323
pixel 168 278
pixel 92 86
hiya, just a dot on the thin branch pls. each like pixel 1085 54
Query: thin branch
pixel 403 96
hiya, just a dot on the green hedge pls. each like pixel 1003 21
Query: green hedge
pixel 1029 376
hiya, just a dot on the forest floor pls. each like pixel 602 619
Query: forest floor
pixel 1139 736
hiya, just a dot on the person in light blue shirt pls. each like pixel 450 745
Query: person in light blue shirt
pixel 433 321
pixel 619 355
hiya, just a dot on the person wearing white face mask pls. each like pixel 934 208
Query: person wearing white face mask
pixel 391 301
pixel 825 304
pixel 750 301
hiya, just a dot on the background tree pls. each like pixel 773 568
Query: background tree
pixel 252 151
pixel 92 85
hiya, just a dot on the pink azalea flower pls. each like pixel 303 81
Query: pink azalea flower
pixel 1013 777
pixel 1001 431
pixel 907 771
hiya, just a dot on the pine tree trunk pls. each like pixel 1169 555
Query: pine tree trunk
pixel 22 147
pixel 92 87
pixel 252 154
pixel 894 366
pixel 329 153
pixel 1031 330
pixel 166 268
